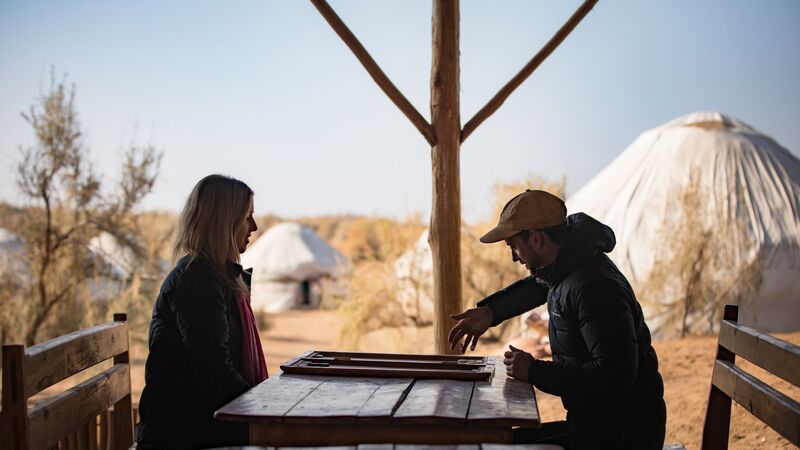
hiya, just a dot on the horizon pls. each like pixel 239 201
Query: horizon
pixel 266 92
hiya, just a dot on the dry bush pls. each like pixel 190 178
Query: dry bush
pixel 706 264
pixel 373 290
pixel 368 300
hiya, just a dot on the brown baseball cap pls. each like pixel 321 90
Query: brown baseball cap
pixel 532 209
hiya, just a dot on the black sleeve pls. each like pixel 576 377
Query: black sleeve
pixel 607 328
pixel 201 309
pixel 515 299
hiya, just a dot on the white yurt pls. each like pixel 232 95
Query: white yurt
pixel 119 260
pixel 12 261
pixel 414 271
pixel 288 261
pixel 742 175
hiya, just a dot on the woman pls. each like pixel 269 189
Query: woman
pixel 204 345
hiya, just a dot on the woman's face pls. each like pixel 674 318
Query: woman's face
pixel 245 228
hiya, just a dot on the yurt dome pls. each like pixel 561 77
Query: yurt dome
pixel 283 259
pixel 741 174
pixel 119 259
pixel 414 270
pixel 11 254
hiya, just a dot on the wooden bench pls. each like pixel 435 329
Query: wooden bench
pixel 729 381
pixel 68 419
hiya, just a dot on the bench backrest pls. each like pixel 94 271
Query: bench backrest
pixel 73 412
pixel 729 381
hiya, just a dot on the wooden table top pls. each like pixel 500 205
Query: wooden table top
pixel 314 399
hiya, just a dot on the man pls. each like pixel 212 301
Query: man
pixel 604 367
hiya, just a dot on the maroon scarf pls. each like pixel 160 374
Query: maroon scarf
pixel 255 367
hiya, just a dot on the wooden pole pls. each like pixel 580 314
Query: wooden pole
pixel 445 230
pixel 375 71
pixel 526 71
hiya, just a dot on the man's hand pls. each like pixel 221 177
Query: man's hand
pixel 518 363
pixel 472 323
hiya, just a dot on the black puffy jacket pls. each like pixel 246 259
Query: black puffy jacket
pixel 195 362
pixel 604 367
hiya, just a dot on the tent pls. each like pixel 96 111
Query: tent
pixel 414 270
pixel 12 255
pixel 287 262
pixel 742 175
pixel 118 261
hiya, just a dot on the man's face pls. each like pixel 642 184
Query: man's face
pixel 524 251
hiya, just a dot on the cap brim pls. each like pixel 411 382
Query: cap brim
pixel 497 234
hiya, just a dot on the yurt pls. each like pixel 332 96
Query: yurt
pixel 288 262
pixel 118 261
pixel 414 270
pixel 747 188
pixel 11 254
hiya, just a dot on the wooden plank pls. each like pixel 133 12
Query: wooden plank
pixel 443 402
pixel 345 400
pixel 437 447
pixel 375 71
pixel 768 352
pixel 270 400
pixel 52 419
pixel 383 402
pixel 91 433
pixel 327 447
pixel 775 409
pixel 52 361
pixel 527 70
pixel 83 438
pixel 327 434
pixel 376 447
pixel 105 419
pixel 14 417
pixel 504 401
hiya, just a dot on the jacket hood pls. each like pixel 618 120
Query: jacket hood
pixel 586 237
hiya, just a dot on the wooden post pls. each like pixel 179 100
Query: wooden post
pixel 445 230
pixel 718 413
pixel 123 423
pixel 15 400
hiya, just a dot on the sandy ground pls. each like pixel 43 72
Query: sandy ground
pixel 685 365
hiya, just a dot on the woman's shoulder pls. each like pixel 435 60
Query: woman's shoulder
pixel 190 271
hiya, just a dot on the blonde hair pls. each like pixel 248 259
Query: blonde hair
pixel 208 223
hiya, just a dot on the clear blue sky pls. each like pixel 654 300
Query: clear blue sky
pixel 265 91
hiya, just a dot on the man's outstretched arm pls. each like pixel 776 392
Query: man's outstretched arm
pixel 511 301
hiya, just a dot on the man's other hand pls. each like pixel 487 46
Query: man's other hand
pixel 518 363
pixel 472 323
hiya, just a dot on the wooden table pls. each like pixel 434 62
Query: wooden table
pixel 296 410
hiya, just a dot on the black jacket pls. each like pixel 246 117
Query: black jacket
pixel 604 367
pixel 195 362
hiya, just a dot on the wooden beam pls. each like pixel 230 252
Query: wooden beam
pixel 526 71
pixel 768 352
pixel 445 230
pixel 57 359
pixel 375 71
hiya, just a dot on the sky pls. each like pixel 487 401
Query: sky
pixel 265 91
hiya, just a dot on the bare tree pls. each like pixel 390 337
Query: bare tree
pixel 67 208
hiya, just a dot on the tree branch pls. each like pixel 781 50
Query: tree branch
pixel 375 71
pixel 526 71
